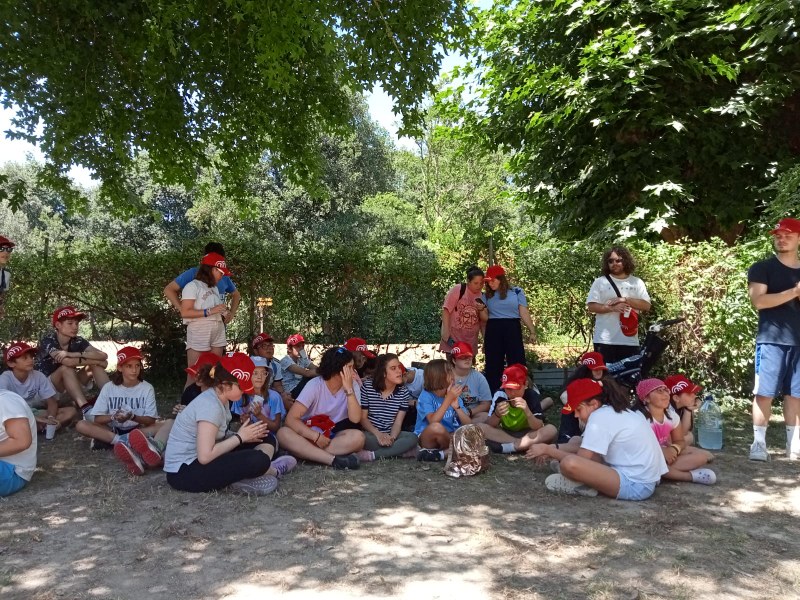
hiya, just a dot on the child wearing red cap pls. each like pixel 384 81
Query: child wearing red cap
pixel 684 461
pixel 619 455
pixel 203 310
pixel 477 396
pixel 683 397
pixel 516 420
pixel 70 361
pixel 440 411
pixel 590 366
pixel 297 368
pixel 36 389
pixel 125 416
pixel 204 455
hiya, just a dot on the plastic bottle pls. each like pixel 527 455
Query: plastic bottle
pixel 709 425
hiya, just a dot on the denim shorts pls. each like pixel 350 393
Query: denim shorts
pixel 10 482
pixel 777 370
pixel 634 490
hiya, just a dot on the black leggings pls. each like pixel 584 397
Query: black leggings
pixel 242 463
pixel 615 353
pixel 503 347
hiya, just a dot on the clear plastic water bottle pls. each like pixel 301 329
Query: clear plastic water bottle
pixel 709 425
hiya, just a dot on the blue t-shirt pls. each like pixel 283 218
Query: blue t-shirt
pixel 508 308
pixel 224 285
pixel 429 403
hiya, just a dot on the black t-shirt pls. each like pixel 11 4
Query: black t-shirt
pixel 190 393
pixel 49 345
pixel 780 324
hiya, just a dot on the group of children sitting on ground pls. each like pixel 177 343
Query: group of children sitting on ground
pixel 353 407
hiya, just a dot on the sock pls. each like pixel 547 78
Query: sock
pixel 760 434
pixel 704 476
pixel 793 437
pixel 158 444
pixel 120 439
pixel 116 439
pixel 509 448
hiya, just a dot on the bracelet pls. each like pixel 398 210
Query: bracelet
pixel 350 393
pixel 677 448
pixel 319 435
pixel 238 437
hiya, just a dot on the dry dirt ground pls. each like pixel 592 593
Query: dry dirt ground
pixel 399 529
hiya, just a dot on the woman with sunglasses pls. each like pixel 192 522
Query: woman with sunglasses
pixel 202 309
pixel 612 298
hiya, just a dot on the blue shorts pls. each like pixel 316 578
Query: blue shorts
pixel 777 370
pixel 10 482
pixel 633 490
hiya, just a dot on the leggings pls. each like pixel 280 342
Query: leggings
pixel 405 442
pixel 503 347
pixel 245 462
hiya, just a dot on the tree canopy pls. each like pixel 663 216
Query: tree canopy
pixel 197 84
pixel 629 114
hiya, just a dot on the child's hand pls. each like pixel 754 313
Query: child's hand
pixel 538 453
pixel 255 408
pixel 453 395
pixel 253 432
pixel 670 454
pixel 501 408
pixel 384 439
pixel 177 408
pixel 519 403
pixel 322 442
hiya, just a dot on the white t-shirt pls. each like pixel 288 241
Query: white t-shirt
pixel 35 390
pixel 204 297
pixel 140 399
pixel 627 443
pixel 607 329
pixel 12 406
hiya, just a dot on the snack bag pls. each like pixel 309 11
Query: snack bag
pixel 468 452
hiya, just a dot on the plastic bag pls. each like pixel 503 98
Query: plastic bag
pixel 468 452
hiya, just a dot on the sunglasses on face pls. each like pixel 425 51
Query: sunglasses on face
pixel 8 249
pixel 611 261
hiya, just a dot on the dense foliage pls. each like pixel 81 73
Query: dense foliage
pixel 98 83
pixel 637 114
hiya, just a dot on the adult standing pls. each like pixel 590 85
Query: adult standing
pixel 225 285
pixel 616 298
pixel 774 288
pixel 460 319
pixel 503 307
pixel 6 248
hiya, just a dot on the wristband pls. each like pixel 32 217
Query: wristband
pixel 205 312
pixel 677 448
pixel 319 435
pixel 238 437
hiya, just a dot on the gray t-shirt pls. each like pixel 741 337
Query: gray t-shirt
pixel 182 443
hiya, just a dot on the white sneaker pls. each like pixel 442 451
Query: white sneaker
pixel 558 483
pixel 758 451
pixel 792 453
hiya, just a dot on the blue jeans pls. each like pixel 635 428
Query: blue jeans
pixel 10 482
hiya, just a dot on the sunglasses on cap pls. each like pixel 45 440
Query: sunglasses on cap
pixel 8 249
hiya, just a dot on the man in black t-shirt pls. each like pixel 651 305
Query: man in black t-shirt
pixel 774 288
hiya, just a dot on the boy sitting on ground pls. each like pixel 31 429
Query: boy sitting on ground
pixel 69 360
pixel 34 387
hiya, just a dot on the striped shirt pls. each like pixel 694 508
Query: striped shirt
pixel 383 411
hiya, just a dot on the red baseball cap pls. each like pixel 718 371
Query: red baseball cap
pixel 359 345
pixel 462 350
pixel 494 271
pixel 787 225
pixel 14 351
pixel 580 391
pixel 593 360
pixel 216 260
pixel 295 340
pixel 240 366
pixel 514 377
pixel 67 312
pixel 127 353
pixel 261 338
pixel 206 358
pixel 680 384
pixel 4 241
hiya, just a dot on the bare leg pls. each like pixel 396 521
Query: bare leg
pixel 94 431
pixel 690 459
pixel 544 435
pixel 100 376
pixel 345 442
pixel 547 403
pixel 598 476
pixel 762 409
pixel 66 415
pixel 480 417
pixel 191 358
pixel 435 436
pixel 66 379
pixel 791 411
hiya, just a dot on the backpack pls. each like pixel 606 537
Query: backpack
pixel 468 452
